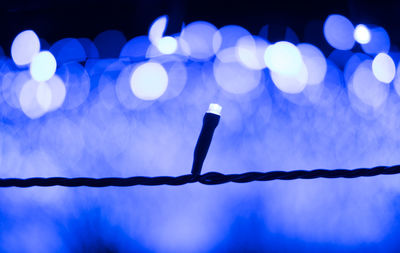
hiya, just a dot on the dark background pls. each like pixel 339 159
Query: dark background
pixel 53 20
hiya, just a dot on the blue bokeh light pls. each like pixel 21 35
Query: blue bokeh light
pixel 117 108
pixel 338 31
pixel 149 81
pixel 68 50
pixel 383 68
pixel 379 42
pixel 24 47
pixel 43 66
pixel 362 34
pixel 200 40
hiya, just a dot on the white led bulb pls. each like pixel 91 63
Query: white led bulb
pixel 215 109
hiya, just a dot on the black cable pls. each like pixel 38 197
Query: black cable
pixel 210 178
pixel 210 122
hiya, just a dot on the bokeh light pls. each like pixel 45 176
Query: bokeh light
pixel 200 40
pixel 366 87
pixel 167 45
pixel 28 100
pixel 43 66
pixel 250 52
pixel 383 68
pixel 362 34
pixel 338 31
pixel 379 42
pixel 149 81
pixel 157 29
pixel 236 78
pixel 68 50
pixel 314 61
pixel 284 58
pixel 24 47
pixel 112 106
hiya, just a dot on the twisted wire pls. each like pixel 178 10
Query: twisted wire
pixel 210 178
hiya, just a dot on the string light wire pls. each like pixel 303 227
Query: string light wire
pixel 210 122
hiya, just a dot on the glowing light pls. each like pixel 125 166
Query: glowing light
pixel 352 64
pixel 228 36
pixel 235 78
pixel 200 40
pixel 68 50
pixel 77 83
pixel 396 81
pixel 250 51
pixel 362 34
pixel 89 47
pixel 43 66
pixel 167 45
pixel 136 48
pixel 379 42
pixel 283 58
pixel 315 63
pixel 58 92
pixel 149 81
pixel 338 31
pixel 28 100
pixel 366 87
pixel 177 77
pixel 215 109
pixel 291 84
pixel 12 84
pixel 157 29
pixel 24 47
pixel 43 96
pixel 383 68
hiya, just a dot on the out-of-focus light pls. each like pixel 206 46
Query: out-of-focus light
pixel 177 77
pixel 383 68
pixel 315 63
pixel 396 82
pixel 250 51
pixel 366 87
pixel 24 47
pixel 157 29
pixel 379 42
pixel 338 31
pixel 228 36
pixel 136 48
pixel 43 66
pixel 235 78
pixel 291 84
pixel 200 40
pixel 352 64
pixel 362 34
pixel 68 50
pixel 149 81
pixel 89 47
pixel 28 100
pixel 43 96
pixel 167 45
pixel 58 92
pixel 77 84
pixel 283 58
pixel 110 43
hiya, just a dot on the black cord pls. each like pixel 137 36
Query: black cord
pixel 210 178
pixel 210 122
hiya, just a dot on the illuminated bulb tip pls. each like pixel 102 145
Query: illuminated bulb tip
pixel 362 34
pixel 215 109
